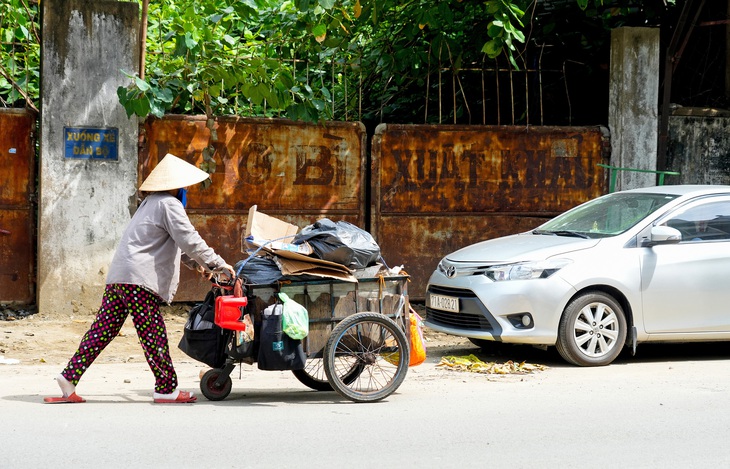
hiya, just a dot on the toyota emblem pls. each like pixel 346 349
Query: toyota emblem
pixel 450 271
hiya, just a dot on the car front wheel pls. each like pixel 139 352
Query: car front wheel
pixel 592 330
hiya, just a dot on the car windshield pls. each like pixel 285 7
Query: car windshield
pixel 609 215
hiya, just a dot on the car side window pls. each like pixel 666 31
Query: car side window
pixel 709 221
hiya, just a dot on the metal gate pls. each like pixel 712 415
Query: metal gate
pixel 439 188
pixel 294 171
pixel 17 197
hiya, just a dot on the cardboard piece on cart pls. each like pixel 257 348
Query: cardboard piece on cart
pixel 298 267
pixel 271 234
pixel 261 229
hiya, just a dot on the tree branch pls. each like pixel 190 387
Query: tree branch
pixel 28 101
pixel 33 28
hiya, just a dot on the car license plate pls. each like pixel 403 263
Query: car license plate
pixel 445 303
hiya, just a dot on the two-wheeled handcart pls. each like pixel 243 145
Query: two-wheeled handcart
pixel 357 343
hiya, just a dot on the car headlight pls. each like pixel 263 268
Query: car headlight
pixel 525 270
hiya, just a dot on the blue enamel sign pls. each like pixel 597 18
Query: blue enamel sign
pixel 90 143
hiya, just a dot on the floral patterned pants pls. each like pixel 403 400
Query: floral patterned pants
pixel 119 301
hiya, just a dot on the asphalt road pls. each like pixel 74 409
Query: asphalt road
pixel 668 407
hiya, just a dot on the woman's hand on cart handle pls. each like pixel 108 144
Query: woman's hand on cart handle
pixel 227 270
pixel 203 273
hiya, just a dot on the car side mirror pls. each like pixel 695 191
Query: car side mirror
pixel 662 234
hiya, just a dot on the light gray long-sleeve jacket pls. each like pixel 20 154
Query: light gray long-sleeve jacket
pixel 149 252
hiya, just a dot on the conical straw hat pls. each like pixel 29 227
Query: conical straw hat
pixel 172 173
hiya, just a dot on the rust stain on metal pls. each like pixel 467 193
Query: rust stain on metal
pixel 483 169
pixel 439 188
pixel 17 189
pixel 280 165
pixel 293 171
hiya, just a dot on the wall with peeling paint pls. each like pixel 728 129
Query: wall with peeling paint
pixel 633 104
pixel 84 203
pixel 698 147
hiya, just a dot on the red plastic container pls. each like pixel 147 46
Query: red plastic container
pixel 228 314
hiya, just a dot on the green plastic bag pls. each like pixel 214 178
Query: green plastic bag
pixel 294 318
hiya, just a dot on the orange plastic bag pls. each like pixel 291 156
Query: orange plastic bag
pixel 418 345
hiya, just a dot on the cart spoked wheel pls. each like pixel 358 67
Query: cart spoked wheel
pixel 314 376
pixel 373 344
pixel 213 388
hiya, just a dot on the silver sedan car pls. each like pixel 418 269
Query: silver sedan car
pixel 643 265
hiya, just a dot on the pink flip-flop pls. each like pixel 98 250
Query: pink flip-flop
pixel 71 399
pixel 184 397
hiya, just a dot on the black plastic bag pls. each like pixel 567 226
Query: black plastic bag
pixel 340 242
pixel 202 339
pixel 241 345
pixel 278 351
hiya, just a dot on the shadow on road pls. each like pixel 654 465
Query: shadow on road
pixel 645 353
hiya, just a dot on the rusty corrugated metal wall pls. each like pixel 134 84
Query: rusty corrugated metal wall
pixel 294 171
pixel 439 188
pixel 434 188
pixel 17 195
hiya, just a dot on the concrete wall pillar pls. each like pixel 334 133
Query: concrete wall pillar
pixel 88 148
pixel 634 104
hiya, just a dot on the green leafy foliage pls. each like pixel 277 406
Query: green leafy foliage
pixel 313 60
pixel 237 58
pixel 19 53
pixel 295 59
pixel 501 29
